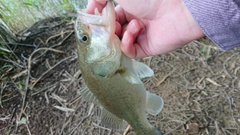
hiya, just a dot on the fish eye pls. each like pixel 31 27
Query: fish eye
pixel 84 38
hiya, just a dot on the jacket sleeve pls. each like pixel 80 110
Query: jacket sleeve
pixel 219 20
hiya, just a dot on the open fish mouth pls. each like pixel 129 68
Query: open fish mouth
pixel 89 18
pixel 110 55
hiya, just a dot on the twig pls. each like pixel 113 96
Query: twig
pixel 74 100
pixel 65 109
pixel 1 92
pixel 84 118
pixel 90 109
pixel 50 70
pixel 224 67
pixel 201 87
pixel 5 118
pixel 127 129
pixel 166 76
pixel 46 92
pixel 185 71
pixel 24 72
pixel 218 132
pixel 3 101
pixel 179 125
pixel 166 63
pixel 63 39
pixel 52 87
pixel 20 44
pixel 104 128
pixel 205 64
pixel 194 113
pixel 29 132
pixel 230 106
pixel 236 70
pixel 29 74
pixel 213 82
pixel 212 47
pixel 14 63
pixel 59 34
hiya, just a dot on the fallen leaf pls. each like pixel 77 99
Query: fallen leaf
pixel 191 128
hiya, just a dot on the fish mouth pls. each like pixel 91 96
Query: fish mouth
pixel 112 54
pixel 89 18
pixel 104 48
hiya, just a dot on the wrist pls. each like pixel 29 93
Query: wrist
pixel 194 31
pixel 180 24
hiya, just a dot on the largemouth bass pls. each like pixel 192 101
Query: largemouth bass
pixel 112 79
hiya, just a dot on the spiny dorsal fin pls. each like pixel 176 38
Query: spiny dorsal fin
pixel 111 121
pixel 154 103
pixel 130 77
pixel 142 70
pixel 88 95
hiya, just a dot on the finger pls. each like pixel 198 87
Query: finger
pixel 134 27
pixel 120 15
pixel 118 30
pixel 130 49
pixel 92 4
pixel 139 52
pixel 127 45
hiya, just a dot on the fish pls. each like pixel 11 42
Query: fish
pixel 113 81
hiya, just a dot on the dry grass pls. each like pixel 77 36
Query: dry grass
pixel 40 89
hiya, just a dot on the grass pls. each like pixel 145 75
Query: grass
pixel 19 14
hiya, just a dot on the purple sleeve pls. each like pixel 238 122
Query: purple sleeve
pixel 219 20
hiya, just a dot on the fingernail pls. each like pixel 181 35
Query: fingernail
pixel 125 38
pixel 133 26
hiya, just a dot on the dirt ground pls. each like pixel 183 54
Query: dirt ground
pixel 40 82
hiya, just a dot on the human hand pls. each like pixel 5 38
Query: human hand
pixel 154 27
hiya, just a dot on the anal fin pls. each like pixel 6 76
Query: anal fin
pixel 111 121
pixel 154 103
pixel 88 95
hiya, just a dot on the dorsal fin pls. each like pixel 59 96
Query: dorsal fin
pixel 111 121
pixel 142 70
pixel 154 103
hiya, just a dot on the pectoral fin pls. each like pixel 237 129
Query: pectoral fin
pixel 154 103
pixel 130 77
pixel 88 95
pixel 141 70
pixel 110 120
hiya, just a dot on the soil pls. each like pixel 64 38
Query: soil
pixel 200 85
